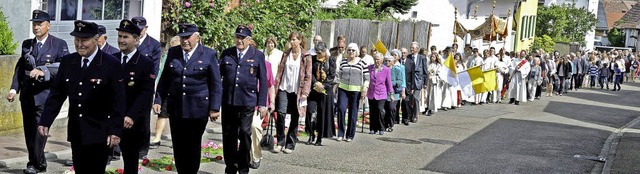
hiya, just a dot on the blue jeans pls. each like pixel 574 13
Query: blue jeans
pixel 347 100
pixel 604 80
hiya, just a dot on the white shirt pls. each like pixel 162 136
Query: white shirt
pixel 274 58
pixel 243 52
pixel 130 55
pixel 43 39
pixel 143 38
pixel 290 79
pixel 90 58
pixel 368 60
pixel 190 52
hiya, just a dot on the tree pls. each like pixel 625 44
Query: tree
pixel 616 38
pixel 390 6
pixel 7 46
pixel 545 42
pixel 564 23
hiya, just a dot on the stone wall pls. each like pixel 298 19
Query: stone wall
pixel 10 113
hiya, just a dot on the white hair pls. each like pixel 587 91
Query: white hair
pixel 354 46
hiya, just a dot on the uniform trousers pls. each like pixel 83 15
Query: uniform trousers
pixel 130 146
pixel 236 125
pixel 186 136
pixel 89 158
pixel 35 142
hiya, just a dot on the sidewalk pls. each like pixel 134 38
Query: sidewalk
pixel 627 158
pixel 14 148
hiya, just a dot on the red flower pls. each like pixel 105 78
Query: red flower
pixel 211 4
pixel 218 157
pixel 187 4
pixel 145 162
pixel 250 26
pixel 168 168
pixel 120 171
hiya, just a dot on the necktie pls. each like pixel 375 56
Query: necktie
pixel 38 46
pixel 124 60
pixel 240 56
pixel 85 63
pixel 186 57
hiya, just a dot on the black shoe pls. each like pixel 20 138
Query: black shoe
pixel 405 122
pixel 414 120
pixel 613 90
pixel 445 109
pixel 310 141
pixel 390 129
pixel 517 103
pixel 33 170
pixel 157 144
pixel 68 163
pixel 254 165
pixel 318 142
pixel 511 101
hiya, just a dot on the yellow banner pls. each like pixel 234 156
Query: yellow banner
pixel 477 79
pixel 490 80
pixel 380 47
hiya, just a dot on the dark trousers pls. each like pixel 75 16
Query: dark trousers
pixel 376 113
pixel 408 107
pixel 35 142
pixel 146 134
pixel 89 159
pixel 538 92
pixel 287 103
pixel 236 125
pixel 415 109
pixel 186 136
pixel 390 116
pixel 396 114
pixel 130 147
pixel 604 80
pixel 348 101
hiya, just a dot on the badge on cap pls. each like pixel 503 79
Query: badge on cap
pixel 132 73
pixel 80 25
pixel 35 14
pixel 125 23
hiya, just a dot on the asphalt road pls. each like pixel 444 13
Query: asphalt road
pixel 563 134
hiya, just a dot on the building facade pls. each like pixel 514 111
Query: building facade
pixel 64 12
pixel 590 5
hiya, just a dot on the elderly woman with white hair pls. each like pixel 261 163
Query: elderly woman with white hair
pixel 353 81
pixel 398 81
pixel 380 88
pixel 535 78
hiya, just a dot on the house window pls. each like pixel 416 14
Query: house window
pixel 93 9
pixel 533 26
pixel 414 14
pixel 522 25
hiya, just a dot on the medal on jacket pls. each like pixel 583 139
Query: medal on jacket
pixel 251 70
pixel 131 83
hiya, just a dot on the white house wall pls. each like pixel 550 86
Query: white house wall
pixel 441 13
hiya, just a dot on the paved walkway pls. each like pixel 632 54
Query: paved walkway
pixel 585 131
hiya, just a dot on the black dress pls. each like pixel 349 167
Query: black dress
pixel 321 104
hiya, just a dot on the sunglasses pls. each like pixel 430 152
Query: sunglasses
pixel 351 50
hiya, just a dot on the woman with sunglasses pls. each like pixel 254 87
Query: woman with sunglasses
pixel 352 86
pixel 319 116
pixel 392 116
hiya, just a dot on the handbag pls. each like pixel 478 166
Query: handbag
pixel 267 138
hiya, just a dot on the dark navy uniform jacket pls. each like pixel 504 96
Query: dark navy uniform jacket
pixel 49 56
pixel 96 98
pixel 152 48
pixel 240 78
pixel 139 81
pixel 192 88
pixel 110 49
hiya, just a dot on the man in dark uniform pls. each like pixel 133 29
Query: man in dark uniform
pixel 92 80
pixel 148 46
pixel 33 74
pixel 139 79
pixel 244 77
pixel 191 85
pixel 102 41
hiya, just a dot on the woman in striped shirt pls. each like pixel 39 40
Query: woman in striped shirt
pixel 352 86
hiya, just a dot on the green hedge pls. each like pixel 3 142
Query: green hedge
pixel 7 46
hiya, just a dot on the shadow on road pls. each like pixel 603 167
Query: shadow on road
pixel 624 98
pixel 606 116
pixel 520 146
pixel 21 149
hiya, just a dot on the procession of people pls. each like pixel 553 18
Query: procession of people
pixel 111 90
